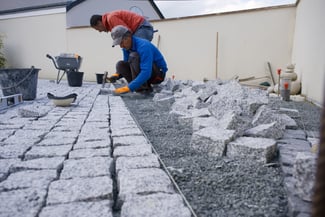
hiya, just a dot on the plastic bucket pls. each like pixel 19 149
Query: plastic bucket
pixel 24 81
pixel 75 78
pixel 99 78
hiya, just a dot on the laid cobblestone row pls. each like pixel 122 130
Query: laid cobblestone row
pixel 84 160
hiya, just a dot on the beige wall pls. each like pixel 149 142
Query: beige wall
pixel 28 39
pixel 222 45
pixel 241 42
pixel 309 48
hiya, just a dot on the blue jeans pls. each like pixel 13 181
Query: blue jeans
pixel 145 30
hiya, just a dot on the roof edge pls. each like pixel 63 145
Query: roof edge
pixel 72 4
pixel 155 7
pixel 26 9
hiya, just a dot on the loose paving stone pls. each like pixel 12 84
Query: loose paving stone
pixel 24 202
pixel 14 150
pixel 106 143
pixel 86 167
pixel 158 205
pixel 129 140
pixel 143 181
pixel 29 178
pixel 80 209
pixel 48 151
pixel 90 152
pixel 272 130
pixel 212 140
pixel 80 189
pixel 150 161
pixel 261 149
pixel 132 151
pixel 294 134
pixel 305 174
pixel 40 163
pixel 295 144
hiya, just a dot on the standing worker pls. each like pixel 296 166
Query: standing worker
pixel 142 64
pixel 137 24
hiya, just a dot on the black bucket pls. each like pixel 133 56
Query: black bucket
pixel 99 78
pixel 75 78
pixel 24 81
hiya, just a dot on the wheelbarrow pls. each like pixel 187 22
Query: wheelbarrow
pixel 65 63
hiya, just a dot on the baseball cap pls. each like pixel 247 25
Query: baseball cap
pixel 117 34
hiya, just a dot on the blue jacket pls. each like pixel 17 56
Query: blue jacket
pixel 148 54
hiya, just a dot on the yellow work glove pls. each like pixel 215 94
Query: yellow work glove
pixel 122 90
pixel 113 78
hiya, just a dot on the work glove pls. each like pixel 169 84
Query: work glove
pixel 113 78
pixel 121 90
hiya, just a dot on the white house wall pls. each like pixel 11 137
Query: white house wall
pixel 309 48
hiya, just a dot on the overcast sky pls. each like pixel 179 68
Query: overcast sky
pixel 180 8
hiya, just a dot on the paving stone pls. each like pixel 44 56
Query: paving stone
pixel 80 189
pixel 164 99
pixel 105 143
pixel 212 140
pixel 294 134
pixel 4 134
pixel 99 134
pixel 48 151
pixel 305 174
pixel 14 150
pixel 24 202
pixel 86 167
pixel 45 125
pixel 40 163
pixel 80 209
pixel 61 135
pixel 149 161
pixel 92 126
pixel 129 141
pixel 288 122
pixel 272 130
pixel 202 122
pixel 261 149
pixel 90 152
pixel 132 151
pixel 143 181
pixel 28 178
pixel 135 131
pixel 51 141
pixel 296 206
pixel 97 117
pixel 5 164
pixel 158 205
pixel 294 144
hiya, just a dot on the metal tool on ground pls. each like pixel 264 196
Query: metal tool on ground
pixel 270 70
pixel 9 101
pixel 104 79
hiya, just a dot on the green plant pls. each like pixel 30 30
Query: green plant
pixel 2 56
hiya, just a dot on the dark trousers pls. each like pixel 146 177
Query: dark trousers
pixel 130 70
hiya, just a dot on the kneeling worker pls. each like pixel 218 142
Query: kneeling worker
pixel 142 64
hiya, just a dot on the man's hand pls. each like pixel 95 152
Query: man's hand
pixel 113 78
pixel 122 90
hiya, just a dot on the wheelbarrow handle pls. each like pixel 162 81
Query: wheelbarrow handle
pixel 50 57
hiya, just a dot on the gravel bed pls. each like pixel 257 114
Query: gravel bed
pixel 218 186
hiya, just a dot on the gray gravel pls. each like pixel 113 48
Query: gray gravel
pixel 217 186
